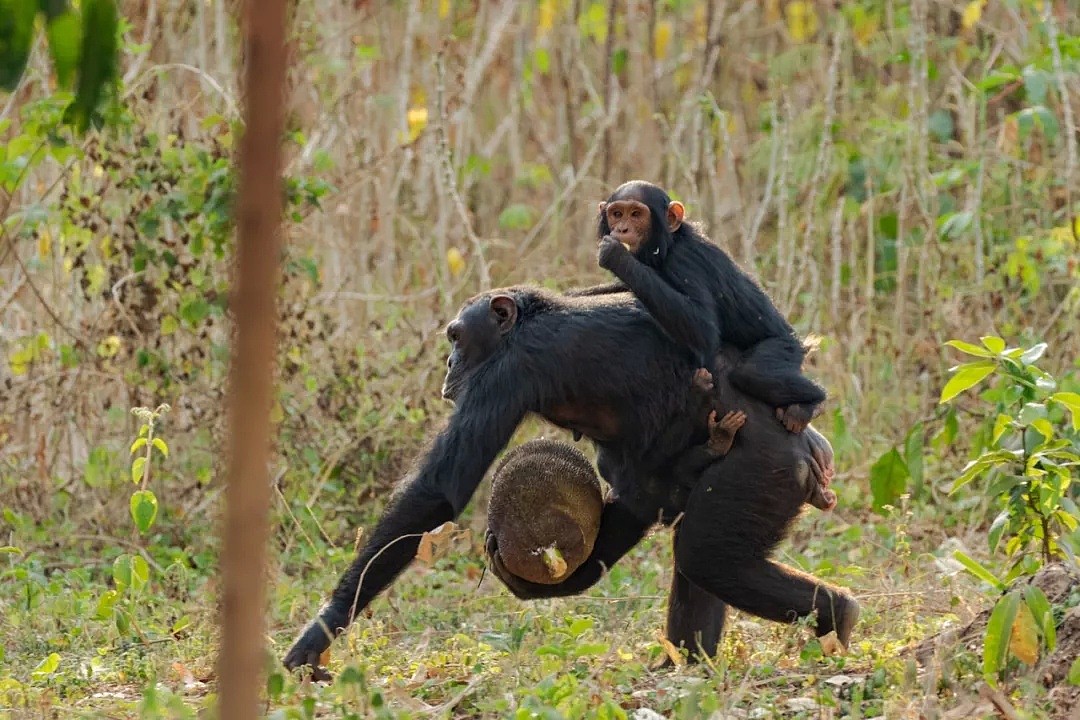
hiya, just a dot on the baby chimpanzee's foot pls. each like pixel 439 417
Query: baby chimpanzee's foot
pixel 703 380
pixel 820 497
pixel 722 432
pixel 818 472
pixel 797 416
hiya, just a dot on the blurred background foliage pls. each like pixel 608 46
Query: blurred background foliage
pixel 898 174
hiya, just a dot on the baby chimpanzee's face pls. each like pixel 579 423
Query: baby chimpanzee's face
pixel 630 222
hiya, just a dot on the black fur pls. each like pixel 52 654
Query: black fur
pixel 600 366
pixel 701 298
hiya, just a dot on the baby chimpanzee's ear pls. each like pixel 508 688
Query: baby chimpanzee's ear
pixel 675 214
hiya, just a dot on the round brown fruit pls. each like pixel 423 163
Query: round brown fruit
pixel 545 510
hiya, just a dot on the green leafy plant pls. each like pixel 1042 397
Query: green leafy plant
pixel 83 45
pixel 131 572
pixel 144 504
pixel 1028 466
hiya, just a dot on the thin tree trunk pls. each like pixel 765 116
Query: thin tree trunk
pixel 254 293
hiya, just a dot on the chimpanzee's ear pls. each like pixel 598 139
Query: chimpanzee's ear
pixel 504 310
pixel 600 207
pixel 675 214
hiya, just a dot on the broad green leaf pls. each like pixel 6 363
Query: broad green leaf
pixel 1000 426
pixel 970 349
pixel 618 60
pixel 1067 519
pixel 138 445
pixel 275 684
pixel 137 466
pixel 516 217
pixel 97 60
pixel 973 469
pixel 182 624
pixel 953 225
pixel 587 649
pixel 949 429
pixel 1033 353
pixel 967 376
pixel 1043 614
pixel 977 570
pixel 1031 412
pixel 160 445
pixel 122 620
pixel 121 571
pixel 1046 383
pixel 1036 83
pixel 106 603
pixel 998 634
pixel 16 36
pixel 46 667
pixel 1024 637
pixel 144 507
pixel 993 535
pixel 63 34
pixel 140 572
pixel 1044 428
pixel 1003 483
pixel 940 124
pixel 888 479
pixel 1074 672
pixel 350 676
pixel 578 626
pixel 10 550
pixel 1070 400
pixel 993 343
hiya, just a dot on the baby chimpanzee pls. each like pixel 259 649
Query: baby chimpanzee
pixel 700 296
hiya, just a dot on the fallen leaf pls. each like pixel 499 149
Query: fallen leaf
pixel 831 645
pixel 436 543
pixel 672 652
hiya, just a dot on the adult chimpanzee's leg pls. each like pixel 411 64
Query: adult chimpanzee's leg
pixel 772 371
pixel 733 520
pixel 695 617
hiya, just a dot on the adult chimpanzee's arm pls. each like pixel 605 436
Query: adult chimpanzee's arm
pixel 437 491
pixel 620 530
pixel 691 321
pixel 605 289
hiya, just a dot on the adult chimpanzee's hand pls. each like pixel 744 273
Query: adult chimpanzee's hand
pixel 522 589
pixel 609 252
pixel 307 649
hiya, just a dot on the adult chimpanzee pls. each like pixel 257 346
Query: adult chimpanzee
pixel 601 366
pixel 701 298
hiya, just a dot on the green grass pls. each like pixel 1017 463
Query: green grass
pixel 442 638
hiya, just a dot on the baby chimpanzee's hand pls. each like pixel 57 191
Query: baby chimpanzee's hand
pixel 609 251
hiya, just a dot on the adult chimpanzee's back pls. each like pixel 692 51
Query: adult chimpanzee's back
pixel 702 298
